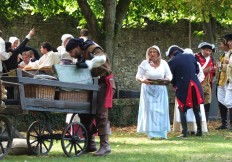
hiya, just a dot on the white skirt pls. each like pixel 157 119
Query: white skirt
pixel 191 120
pixel 221 93
pixel 228 96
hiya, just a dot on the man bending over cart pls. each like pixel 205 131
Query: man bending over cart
pixel 91 56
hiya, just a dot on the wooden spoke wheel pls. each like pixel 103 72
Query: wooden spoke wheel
pixel 74 139
pixel 5 136
pixel 39 138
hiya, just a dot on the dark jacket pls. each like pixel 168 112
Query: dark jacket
pixel 12 62
pixel 184 68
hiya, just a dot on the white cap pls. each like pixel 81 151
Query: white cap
pixel 188 51
pixel 13 39
pixel 65 36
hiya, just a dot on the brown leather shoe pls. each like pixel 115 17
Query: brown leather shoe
pixel 104 146
pixel 103 150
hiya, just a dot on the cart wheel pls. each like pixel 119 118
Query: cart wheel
pixel 39 139
pixel 5 136
pixel 74 139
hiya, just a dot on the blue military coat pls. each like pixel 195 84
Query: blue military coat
pixel 185 69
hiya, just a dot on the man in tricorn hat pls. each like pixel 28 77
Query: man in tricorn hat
pixel 91 56
pixel 207 63
pixel 187 86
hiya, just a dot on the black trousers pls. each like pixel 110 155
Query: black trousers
pixel 196 111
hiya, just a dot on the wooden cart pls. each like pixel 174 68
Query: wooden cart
pixel 40 135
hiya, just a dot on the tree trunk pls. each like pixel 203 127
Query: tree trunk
pixel 190 34
pixel 209 30
pixel 109 23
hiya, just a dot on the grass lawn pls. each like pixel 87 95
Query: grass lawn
pixel 129 146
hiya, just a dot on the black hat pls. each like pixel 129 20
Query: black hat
pixel 73 43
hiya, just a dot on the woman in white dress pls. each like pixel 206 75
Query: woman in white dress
pixel 153 116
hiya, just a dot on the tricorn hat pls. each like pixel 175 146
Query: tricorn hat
pixel 172 48
pixel 204 45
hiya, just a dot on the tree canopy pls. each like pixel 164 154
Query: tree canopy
pixel 161 10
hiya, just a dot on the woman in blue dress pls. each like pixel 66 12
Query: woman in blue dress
pixel 153 117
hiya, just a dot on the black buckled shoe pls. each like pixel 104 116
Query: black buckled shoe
pixel 199 133
pixel 183 135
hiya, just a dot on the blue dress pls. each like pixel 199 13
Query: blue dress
pixel 153 116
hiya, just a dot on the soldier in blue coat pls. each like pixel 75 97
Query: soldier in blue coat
pixel 188 89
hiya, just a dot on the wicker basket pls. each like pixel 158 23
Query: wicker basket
pixel 75 96
pixel 39 91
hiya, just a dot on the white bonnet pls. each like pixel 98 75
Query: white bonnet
pixel 65 36
pixel 156 47
pixel 13 39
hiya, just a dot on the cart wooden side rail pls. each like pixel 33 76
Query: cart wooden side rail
pixel 40 136
pixel 35 104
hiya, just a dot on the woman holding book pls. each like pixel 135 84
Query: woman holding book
pixel 153 117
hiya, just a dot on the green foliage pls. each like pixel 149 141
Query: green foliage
pixel 138 13
pixel 124 112
pixel 172 11
pixel 11 8
pixel 56 120
pixel 199 34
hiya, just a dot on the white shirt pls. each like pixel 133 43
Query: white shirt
pixel 23 63
pixel 63 54
pixel 146 71
pixel 47 59
pixel 3 54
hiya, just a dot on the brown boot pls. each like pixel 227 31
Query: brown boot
pixel 104 146
pixel 91 146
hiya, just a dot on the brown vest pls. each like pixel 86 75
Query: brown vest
pixel 103 70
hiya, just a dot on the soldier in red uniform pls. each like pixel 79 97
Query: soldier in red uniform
pixel 207 63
